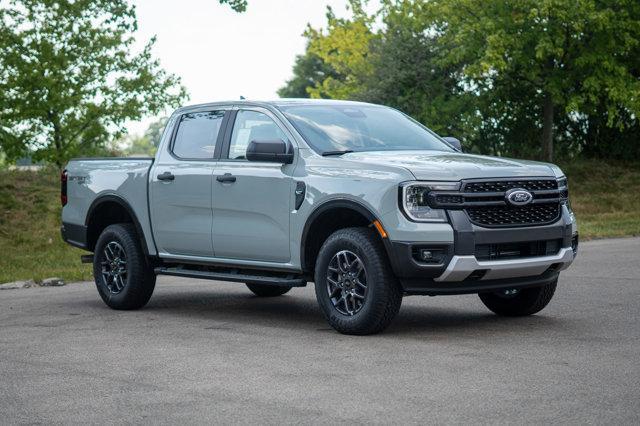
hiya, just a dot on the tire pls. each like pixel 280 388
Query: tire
pixel 374 305
pixel 527 301
pixel 134 287
pixel 265 290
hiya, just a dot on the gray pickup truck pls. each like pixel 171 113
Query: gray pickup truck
pixel 358 198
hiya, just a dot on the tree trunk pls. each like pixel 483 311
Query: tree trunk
pixel 57 142
pixel 547 128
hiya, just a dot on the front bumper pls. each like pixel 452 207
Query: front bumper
pixel 456 269
pixel 461 267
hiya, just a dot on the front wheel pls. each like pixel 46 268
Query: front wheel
pixel 516 303
pixel 123 277
pixel 355 286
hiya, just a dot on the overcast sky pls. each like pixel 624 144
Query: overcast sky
pixel 221 54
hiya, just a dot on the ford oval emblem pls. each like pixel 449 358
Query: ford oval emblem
pixel 518 197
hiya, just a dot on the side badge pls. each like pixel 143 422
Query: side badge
pixel 301 190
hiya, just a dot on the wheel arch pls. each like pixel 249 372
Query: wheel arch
pixel 107 210
pixel 322 222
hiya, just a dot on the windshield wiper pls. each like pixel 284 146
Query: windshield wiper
pixel 328 153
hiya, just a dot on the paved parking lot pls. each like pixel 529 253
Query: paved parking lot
pixel 212 352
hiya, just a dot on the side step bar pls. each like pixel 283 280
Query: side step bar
pixel 290 280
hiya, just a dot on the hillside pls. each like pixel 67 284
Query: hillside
pixel 30 240
pixel 604 197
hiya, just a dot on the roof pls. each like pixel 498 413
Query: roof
pixel 276 102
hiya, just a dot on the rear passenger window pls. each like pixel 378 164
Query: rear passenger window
pixel 197 134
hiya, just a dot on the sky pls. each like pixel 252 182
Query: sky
pixel 221 54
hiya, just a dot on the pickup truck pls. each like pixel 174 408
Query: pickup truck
pixel 360 199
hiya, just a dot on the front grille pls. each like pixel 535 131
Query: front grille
pixel 505 251
pixel 485 202
pixel 534 214
pixel 505 185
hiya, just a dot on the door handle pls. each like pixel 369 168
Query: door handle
pixel 166 176
pixel 226 178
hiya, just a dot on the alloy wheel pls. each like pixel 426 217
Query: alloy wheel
pixel 114 267
pixel 347 282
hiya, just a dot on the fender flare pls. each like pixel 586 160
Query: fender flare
pixel 114 198
pixel 331 204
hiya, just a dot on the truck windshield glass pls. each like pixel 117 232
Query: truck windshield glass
pixel 331 128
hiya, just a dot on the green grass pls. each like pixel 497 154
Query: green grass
pixel 30 242
pixel 605 197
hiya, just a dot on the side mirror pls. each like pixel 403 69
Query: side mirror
pixel 272 151
pixel 454 142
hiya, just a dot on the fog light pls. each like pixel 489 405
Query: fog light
pixel 574 244
pixel 426 255
pixel 430 255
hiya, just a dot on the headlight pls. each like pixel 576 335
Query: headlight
pixel 563 186
pixel 414 200
pixel 562 182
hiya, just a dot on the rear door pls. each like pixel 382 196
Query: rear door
pixel 251 200
pixel 181 185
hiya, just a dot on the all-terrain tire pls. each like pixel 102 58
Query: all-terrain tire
pixel 265 290
pixel 383 295
pixel 139 280
pixel 527 301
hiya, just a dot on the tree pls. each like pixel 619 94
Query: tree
pixel 145 144
pixel 309 71
pixel 155 130
pixel 569 55
pixel 237 5
pixel 344 47
pixel 69 79
pixel 406 73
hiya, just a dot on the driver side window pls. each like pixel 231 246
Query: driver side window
pixel 250 126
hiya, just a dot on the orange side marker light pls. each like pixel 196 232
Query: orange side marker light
pixel 380 229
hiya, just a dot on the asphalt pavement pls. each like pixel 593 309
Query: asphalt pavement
pixel 204 352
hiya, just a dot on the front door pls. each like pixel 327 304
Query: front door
pixel 251 200
pixel 181 184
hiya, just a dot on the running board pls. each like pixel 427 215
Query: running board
pixel 290 280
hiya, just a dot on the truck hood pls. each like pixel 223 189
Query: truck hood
pixel 453 166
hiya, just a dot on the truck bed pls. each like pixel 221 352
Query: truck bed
pixel 116 179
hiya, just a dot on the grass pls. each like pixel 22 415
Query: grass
pixel 605 197
pixel 30 242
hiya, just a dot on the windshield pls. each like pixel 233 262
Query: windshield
pixel 330 128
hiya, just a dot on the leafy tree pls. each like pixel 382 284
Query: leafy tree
pixel 145 144
pixel 155 130
pixel 345 47
pixel 504 74
pixel 569 55
pixel 309 70
pixel 406 73
pixel 237 5
pixel 136 145
pixel 69 79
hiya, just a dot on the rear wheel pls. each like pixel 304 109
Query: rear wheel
pixel 355 286
pixel 515 303
pixel 122 275
pixel 265 290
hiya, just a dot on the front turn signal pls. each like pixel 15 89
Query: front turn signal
pixel 378 226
